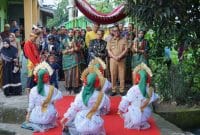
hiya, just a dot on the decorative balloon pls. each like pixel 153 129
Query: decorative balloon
pixel 100 18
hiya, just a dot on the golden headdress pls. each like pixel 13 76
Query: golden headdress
pixel 143 66
pixel 43 65
pixel 97 60
pixel 93 69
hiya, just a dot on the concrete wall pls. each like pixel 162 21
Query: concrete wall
pixel 3 14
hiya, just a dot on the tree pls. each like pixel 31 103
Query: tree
pixel 106 6
pixel 60 15
pixel 168 17
pixel 175 23
pixel 102 6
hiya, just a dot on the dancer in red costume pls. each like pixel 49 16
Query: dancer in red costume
pixel 31 50
pixel 32 53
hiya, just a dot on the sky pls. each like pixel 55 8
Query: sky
pixel 51 2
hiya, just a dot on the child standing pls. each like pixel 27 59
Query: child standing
pixel 55 67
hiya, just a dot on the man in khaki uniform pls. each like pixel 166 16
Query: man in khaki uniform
pixel 117 48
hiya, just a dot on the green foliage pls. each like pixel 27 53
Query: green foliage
pixel 175 24
pixel 174 56
pixel 106 6
pixel 168 18
pixel 118 2
pixel 103 7
pixel 179 81
pixel 191 68
pixel 60 15
pixel 172 82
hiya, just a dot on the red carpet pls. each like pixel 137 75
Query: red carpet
pixel 114 125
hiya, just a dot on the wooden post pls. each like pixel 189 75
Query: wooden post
pixel 38 15
pixel 27 18
pixel 34 12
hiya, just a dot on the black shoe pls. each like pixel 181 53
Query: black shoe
pixel 77 90
pixel 68 89
pixel 65 131
pixel 113 93
pixel 123 93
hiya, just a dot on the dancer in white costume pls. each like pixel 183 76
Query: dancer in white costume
pixel 135 106
pixel 41 114
pixel 84 115
pixel 101 65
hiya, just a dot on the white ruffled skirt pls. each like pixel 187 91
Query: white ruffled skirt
pixel 135 119
pixel 39 117
pixel 87 126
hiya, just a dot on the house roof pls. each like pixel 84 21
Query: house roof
pixel 47 9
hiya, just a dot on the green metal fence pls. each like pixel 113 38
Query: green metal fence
pixel 81 22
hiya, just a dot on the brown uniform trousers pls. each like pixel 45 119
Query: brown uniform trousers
pixel 117 68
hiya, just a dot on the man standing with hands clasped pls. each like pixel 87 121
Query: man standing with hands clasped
pixel 117 48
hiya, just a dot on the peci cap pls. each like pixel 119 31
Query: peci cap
pixel 7 25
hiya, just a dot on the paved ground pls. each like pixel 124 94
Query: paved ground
pixel 16 106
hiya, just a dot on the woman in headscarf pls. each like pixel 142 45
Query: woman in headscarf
pixel 41 114
pixel 135 106
pixel 14 42
pixel 140 51
pixel 1 63
pixel 84 114
pixel 70 63
pixel 80 43
pixel 11 73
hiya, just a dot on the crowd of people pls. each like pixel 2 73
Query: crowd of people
pixel 69 51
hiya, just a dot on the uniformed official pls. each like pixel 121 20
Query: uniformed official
pixel 117 49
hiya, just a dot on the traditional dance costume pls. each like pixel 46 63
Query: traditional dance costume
pixel 41 111
pixel 135 106
pixel 84 115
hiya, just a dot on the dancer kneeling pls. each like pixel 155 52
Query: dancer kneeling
pixel 135 106
pixel 84 115
pixel 41 114
pixel 101 65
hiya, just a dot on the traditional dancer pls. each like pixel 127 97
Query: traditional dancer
pixel 41 114
pixel 101 65
pixel 32 53
pixel 135 106
pixel 84 115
